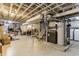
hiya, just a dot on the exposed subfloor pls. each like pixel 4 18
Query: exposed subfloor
pixel 30 46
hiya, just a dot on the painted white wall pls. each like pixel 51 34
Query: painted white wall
pixel 60 33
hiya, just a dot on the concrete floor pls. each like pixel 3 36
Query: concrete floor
pixel 29 46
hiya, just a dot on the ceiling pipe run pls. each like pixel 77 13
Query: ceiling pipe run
pixel 76 10
pixel 38 17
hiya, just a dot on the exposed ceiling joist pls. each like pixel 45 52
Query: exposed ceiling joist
pixel 67 12
pixel 32 11
pixel 55 7
pixel 38 5
pixel 70 6
pixel 26 5
pixel 2 6
pixel 50 8
pixel 25 10
pixel 22 7
pixel 18 10
pixel 11 5
pixel 39 11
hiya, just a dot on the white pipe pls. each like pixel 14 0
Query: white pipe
pixel 38 17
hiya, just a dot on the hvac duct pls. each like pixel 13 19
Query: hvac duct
pixel 34 19
pixel 76 10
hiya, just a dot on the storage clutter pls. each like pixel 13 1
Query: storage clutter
pixel 0 49
pixel 4 38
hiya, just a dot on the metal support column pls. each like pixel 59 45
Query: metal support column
pixel 73 34
pixel 64 32
pixel 46 25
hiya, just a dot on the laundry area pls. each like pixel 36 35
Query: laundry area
pixel 39 29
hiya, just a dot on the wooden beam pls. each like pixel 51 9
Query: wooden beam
pixel 18 10
pixel 11 5
pixel 25 10
pixel 2 10
pixel 40 10
pixel 52 8
pixel 32 11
